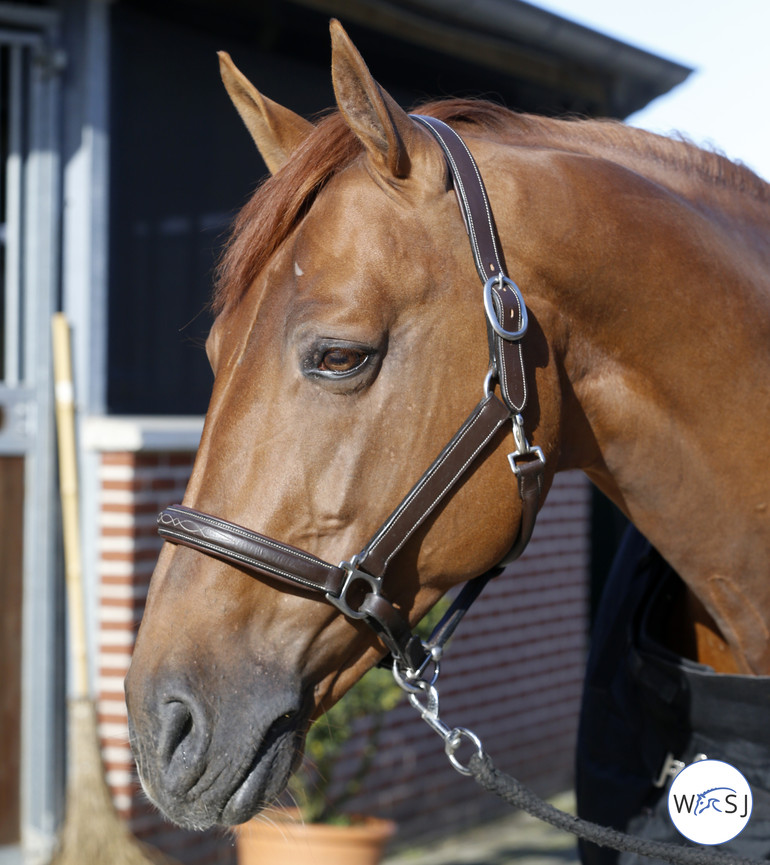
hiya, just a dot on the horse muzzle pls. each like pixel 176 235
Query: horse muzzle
pixel 206 758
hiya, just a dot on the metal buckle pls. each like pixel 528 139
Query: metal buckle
pixel 524 449
pixel 353 576
pixel 503 281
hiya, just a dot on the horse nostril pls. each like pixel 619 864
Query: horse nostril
pixel 176 728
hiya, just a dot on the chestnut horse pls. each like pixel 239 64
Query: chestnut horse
pixel 349 346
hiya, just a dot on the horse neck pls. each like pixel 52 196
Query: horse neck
pixel 661 329
pixel 694 493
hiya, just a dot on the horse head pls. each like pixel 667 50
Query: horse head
pixel 348 347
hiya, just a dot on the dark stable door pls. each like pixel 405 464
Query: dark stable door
pixel 11 531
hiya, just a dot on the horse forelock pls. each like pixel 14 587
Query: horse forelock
pixel 280 202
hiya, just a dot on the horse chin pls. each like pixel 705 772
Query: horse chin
pixel 265 780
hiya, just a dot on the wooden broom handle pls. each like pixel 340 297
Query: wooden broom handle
pixel 70 500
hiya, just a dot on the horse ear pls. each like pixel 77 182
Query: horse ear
pixel 277 131
pixel 378 121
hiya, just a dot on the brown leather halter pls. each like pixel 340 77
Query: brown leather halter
pixel 506 325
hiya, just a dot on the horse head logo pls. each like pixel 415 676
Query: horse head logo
pixel 707 800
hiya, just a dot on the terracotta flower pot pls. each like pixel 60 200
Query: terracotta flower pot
pixel 281 839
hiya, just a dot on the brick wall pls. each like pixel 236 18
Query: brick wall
pixel 134 487
pixel 513 672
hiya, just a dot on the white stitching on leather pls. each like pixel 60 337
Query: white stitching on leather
pixel 220 552
pixel 417 489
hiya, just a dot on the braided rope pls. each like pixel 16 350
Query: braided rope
pixel 515 793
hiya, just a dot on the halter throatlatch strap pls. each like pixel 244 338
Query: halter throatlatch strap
pixel 506 324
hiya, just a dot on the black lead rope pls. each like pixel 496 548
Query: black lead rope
pixel 424 697
pixel 515 793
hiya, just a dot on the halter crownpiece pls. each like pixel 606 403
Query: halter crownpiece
pixel 503 303
pixel 265 557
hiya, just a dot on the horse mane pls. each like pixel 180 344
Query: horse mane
pixel 281 201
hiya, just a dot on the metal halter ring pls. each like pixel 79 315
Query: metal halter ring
pixel 353 576
pixel 452 743
pixel 503 282
pixel 413 684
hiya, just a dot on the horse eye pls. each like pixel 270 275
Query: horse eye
pixel 340 360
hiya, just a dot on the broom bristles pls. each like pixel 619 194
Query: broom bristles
pixel 93 833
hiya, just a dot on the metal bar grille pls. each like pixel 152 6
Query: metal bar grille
pixel 11 146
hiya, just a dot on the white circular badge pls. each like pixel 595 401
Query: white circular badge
pixel 710 802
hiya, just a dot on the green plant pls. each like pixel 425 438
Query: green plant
pixel 365 705
pixel 368 701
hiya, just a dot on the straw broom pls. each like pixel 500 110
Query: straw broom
pixel 93 833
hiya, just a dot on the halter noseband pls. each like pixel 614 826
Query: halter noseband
pixel 506 325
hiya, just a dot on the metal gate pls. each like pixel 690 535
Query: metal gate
pixel 30 717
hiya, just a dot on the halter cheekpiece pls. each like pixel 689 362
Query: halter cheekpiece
pixel 506 316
